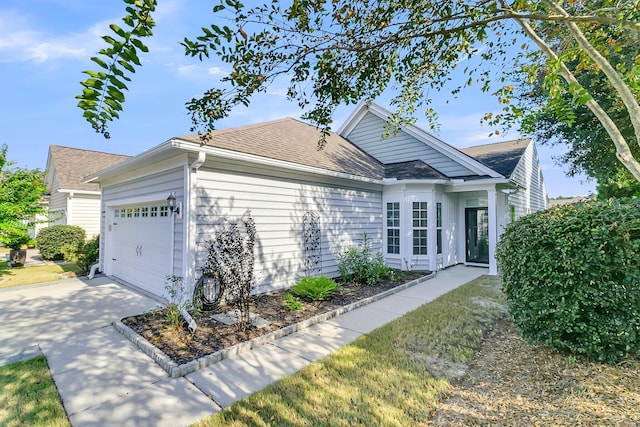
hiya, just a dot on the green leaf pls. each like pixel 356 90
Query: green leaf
pixel 137 43
pixel 100 62
pixel 119 31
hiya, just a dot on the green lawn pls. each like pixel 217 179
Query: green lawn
pixel 28 396
pixel 18 276
pixel 395 376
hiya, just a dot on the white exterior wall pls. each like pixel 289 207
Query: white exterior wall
pixel 85 212
pixel 278 201
pixel 146 185
pixel 450 227
pixel 402 147
pixel 57 205
pixel 76 208
pixel 529 174
pixel 432 194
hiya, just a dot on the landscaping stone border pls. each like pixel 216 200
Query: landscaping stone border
pixel 174 370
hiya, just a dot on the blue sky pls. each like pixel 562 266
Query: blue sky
pixel 46 44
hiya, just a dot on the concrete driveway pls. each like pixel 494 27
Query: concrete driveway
pixel 102 378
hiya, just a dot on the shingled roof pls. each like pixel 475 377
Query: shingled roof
pixel 416 169
pixel 502 157
pixel 293 141
pixel 71 165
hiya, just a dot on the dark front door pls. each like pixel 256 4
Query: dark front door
pixel 477 232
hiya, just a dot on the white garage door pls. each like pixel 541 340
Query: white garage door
pixel 141 246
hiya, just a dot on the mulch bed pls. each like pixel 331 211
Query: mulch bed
pixel 512 383
pixel 182 346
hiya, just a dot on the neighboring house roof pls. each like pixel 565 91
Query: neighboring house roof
pixel 567 201
pixel 291 140
pixel 416 169
pixel 71 165
pixel 502 157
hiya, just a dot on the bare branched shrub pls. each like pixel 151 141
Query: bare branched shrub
pixel 230 261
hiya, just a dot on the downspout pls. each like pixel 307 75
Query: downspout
pixel 92 272
pixel 193 168
pixel 189 223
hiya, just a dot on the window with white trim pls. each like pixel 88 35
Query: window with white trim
pixel 419 214
pixel 393 227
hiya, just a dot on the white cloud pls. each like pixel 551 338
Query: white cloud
pixel 187 70
pixel 20 43
pixel 216 71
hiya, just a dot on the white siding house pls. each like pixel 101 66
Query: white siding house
pixel 72 201
pixel 423 204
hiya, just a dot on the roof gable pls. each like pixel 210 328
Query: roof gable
pixel 70 165
pixel 365 128
pixel 296 142
pixel 502 157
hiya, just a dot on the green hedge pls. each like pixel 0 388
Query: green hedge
pixel 571 275
pixel 51 240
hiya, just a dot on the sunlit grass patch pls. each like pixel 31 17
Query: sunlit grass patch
pixel 28 396
pixel 19 276
pixel 383 378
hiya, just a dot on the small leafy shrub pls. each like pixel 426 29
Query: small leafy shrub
pixel 571 275
pixel 16 239
pixel 51 240
pixel 292 303
pixel 316 288
pixel 88 254
pixel 84 255
pixel 176 294
pixel 362 265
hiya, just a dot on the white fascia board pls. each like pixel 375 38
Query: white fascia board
pixel 476 184
pixel 388 182
pixel 77 192
pixel 451 152
pixel 131 163
pixel 236 155
pixel 354 118
pixel 420 134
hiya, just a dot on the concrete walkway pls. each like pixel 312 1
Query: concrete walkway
pixel 104 380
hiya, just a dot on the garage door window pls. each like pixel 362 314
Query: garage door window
pixel 141 212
